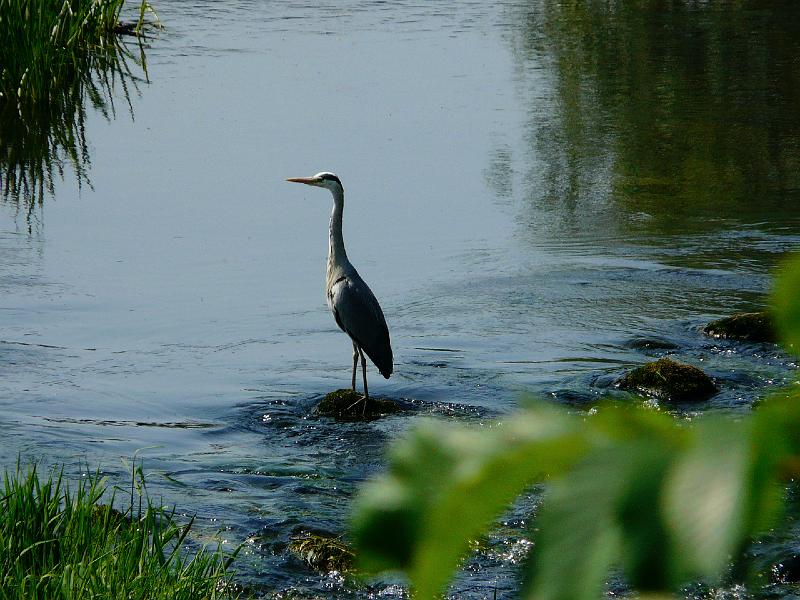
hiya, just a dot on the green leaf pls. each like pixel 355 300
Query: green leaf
pixel 786 306
pixel 646 555
pixel 775 429
pixel 605 510
pixel 386 523
pixel 577 540
pixel 533 446
pixel 706 494
pixel 446 485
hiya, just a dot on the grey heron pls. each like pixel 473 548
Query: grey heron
pixel 354 306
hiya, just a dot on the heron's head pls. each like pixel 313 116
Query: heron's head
pixel 324 179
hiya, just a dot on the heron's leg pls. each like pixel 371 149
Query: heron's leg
pixel 364 372
pixel 355 364
pixel 356 353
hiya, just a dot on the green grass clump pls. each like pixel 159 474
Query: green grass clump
pixel 45 42
pixel 54 56
pixel 62 542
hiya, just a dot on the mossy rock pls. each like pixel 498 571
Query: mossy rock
pixel 667 379
pixel 348 405
pixel 323 553
pixel 752 327
pixel 103 513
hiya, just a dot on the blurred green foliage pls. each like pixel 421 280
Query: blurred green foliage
pixel 666 501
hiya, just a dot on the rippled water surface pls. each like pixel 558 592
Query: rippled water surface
pixel 530 192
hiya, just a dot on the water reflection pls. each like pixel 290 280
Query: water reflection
pixel 663 115
pixel 39 143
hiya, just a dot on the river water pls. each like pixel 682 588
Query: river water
pixel 537 194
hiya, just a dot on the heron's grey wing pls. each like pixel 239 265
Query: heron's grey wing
pixel 358 313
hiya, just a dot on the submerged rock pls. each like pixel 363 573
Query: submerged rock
pixel 323 553
pixel 105 514
pixel 650 343
pixel 348 405
pixel 667 379
pixel 753 327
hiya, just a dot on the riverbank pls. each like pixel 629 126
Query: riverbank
pixel 62 539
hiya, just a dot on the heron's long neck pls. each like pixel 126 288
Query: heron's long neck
pixel 337 257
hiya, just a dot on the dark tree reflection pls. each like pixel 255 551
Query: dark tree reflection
pixel 40 142
pixel 679 112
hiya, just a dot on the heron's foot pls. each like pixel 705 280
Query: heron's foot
pixel 363 399
pixel 344 404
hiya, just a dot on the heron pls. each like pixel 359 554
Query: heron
pixel 355 308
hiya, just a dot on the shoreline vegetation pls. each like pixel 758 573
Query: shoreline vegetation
pixel 46 45
pixel 65 539
pixel 58 56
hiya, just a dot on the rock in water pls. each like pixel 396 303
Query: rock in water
pixel 753 327
pixel 644 343
pixel 667 379
pixel 348 405
pixel 323 553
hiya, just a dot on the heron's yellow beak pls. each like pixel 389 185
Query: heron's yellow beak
pixel 306 180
